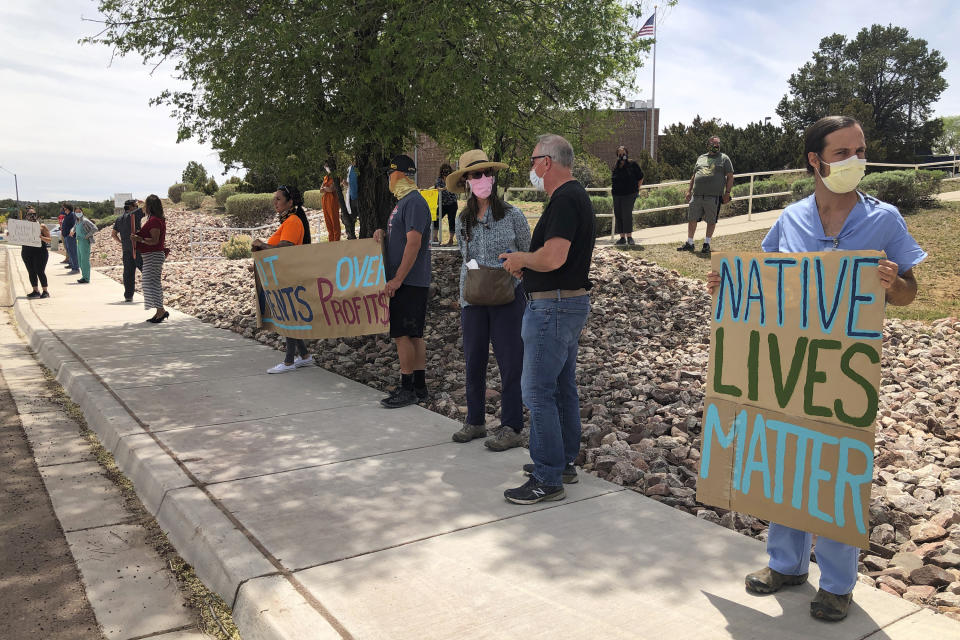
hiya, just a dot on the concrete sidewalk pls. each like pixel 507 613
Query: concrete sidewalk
pixel 317 514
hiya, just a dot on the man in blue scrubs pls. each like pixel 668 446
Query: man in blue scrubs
pixel 835 218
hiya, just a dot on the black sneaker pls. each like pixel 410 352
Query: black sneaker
pixel 83 281
pixel 569 475
pixel 33 294
pixel 621 241
pixel 534 491
pixel 630 241
pixel 128 299
pixel 45 294
pixel 705 249
pixel 686 246
pixel 422 394
pixel 400 398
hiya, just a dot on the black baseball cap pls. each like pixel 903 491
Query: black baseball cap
pixel 402 163
pixel 130 203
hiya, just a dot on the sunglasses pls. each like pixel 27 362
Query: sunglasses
pixel 476 175
pixel 286 191
pixel 533 159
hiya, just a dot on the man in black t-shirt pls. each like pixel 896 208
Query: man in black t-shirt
pixel 128 222
pixel 555 276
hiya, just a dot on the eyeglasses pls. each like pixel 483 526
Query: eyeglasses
pixel 476 175
pixel 533 159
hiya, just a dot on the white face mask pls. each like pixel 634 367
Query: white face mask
pixel 845 175
pixel 536 180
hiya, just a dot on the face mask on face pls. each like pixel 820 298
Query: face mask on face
pixel 536 180
pixel 845 175
pixel 715 148
pixel 482 187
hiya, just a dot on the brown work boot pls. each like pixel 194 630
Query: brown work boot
pixel 470 431
pixel 768 580
pixel 504 438
pixel 829 606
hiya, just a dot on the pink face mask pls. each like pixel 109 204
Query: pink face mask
pixel 482 187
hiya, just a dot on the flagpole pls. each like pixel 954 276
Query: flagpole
pixel 653 101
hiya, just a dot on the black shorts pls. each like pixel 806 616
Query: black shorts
pixel 408 311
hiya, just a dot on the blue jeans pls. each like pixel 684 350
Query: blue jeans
pixel 70 245
pixel 551 333
pixel 789 551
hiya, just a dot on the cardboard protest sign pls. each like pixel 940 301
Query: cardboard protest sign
pixel 23 232
pixel 327 290
pixel 792 389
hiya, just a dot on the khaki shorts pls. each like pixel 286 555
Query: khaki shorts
pixel 705 208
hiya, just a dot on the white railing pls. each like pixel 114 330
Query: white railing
pixel 953 164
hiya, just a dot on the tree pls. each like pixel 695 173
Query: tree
pixel 885 78
pixel 949 141
pixel 312 79
pixel 195 174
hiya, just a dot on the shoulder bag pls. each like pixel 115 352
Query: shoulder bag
pixel 487 286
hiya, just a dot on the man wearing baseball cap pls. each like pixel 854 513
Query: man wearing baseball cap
pixel 406 252
pixel 126 224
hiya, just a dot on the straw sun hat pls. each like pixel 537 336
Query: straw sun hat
pixel 473 160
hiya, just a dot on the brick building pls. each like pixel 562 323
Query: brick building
pixel 629 126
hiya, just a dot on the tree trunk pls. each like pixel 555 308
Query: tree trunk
pixel 375 200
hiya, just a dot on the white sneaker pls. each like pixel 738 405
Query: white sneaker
pixel 306 361
pixel 282 368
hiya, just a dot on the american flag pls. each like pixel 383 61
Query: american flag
pixel 647 28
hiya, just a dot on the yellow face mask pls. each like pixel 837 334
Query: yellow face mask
pixel 403 186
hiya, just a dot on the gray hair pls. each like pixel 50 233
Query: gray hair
pixel 557 148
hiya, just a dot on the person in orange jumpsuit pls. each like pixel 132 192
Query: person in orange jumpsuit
pixel 331 206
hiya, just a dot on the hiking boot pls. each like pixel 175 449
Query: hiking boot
pixel 768 580
pixel 505 438
pixel 534 491
pixel 470 431
pixel 705 249
pixel 569 475
pixel 621 241
pixel 402 397
pixel 686 246
pixel 829 606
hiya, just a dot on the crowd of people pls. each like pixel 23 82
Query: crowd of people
pixel 528 293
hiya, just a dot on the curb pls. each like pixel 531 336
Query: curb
pixel 265 605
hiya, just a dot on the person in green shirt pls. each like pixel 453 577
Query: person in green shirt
pixel 710 187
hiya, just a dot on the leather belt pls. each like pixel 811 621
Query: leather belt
pixel 556 294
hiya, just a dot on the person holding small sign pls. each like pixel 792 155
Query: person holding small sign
pixel 35 258
pixel 293 231
pixel 491 299
pixel 406 254
pixel 835 218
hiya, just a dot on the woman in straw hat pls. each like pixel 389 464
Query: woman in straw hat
pixel 487 227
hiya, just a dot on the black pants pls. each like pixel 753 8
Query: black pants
pixel 500 325
pixel 350 219
pixel 448 211
pixel 35 259
pixel 130 266
pixel 295 345
pixel 623 213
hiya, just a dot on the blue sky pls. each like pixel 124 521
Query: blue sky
pixel 74 126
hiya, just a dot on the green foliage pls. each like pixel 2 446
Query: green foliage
pixel 905 189
pixel 106 221
pixel 883 77
pixel 363 83
pixel 236 248
pixel 175 192
pixel 193 199
pixel 602 205
pixel 313 199
pixel 234 180
pixel 591 171
pixel 250 209
pixel 804 187
pixel 770 185
pixel 210 187
pixel 949 141
pixel 529 195
pixel 194 174
pixel 224 192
